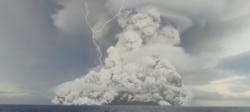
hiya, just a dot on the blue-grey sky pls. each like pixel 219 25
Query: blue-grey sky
pixel 45 43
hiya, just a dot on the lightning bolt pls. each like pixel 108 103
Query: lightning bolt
pixel 94 32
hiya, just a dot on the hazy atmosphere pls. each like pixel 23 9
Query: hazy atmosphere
pixel 48 55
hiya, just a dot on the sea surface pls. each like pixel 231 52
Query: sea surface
pixel 52 108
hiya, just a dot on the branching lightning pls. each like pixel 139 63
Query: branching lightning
pixel 94 32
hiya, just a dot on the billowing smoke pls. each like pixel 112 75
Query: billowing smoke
pixel 133 71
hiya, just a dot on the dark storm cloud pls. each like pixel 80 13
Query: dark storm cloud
pixel 207 38
pixel 34 54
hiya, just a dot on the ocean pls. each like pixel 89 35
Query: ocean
pixel 57 108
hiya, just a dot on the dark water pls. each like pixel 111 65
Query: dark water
pixel 40 108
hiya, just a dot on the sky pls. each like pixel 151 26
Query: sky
pixel 46 43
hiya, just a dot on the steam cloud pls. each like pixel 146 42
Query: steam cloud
pixel 128 77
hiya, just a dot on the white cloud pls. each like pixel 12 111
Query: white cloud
pixel 9 90
pixel 225 87
pixel 228 80
pixel 71 18
pixel 236 9
pixel 237 43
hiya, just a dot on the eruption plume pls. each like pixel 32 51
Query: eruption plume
pixel 127 77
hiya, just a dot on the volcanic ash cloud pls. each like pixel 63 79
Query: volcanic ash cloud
pixel 128 78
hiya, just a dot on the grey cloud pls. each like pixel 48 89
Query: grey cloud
pixel 71 17
pixel 238 63
pixel 207 38
pixel 203 76
pixel 202 95
pixel 12 93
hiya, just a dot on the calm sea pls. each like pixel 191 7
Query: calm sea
pixel 44 108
